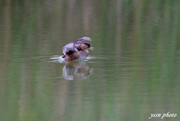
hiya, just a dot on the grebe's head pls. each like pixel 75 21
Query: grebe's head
pixel 81 40
pixel 86 45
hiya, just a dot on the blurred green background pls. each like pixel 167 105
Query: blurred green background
pixel 134 70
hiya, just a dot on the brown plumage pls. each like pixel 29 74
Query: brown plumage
pixel 82 54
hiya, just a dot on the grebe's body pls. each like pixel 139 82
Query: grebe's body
pixel 77 50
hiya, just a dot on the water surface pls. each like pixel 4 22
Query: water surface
pixel 132 72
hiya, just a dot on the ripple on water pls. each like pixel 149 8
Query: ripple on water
pixel 59 59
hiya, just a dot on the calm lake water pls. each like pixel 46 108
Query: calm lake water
pixel 133 72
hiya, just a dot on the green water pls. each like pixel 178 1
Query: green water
pixel 133 72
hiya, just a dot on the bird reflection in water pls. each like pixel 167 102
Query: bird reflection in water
pixel 77 70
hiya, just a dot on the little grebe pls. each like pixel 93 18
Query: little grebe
pixel 77 50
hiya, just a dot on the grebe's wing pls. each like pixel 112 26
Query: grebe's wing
pixel 69 47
